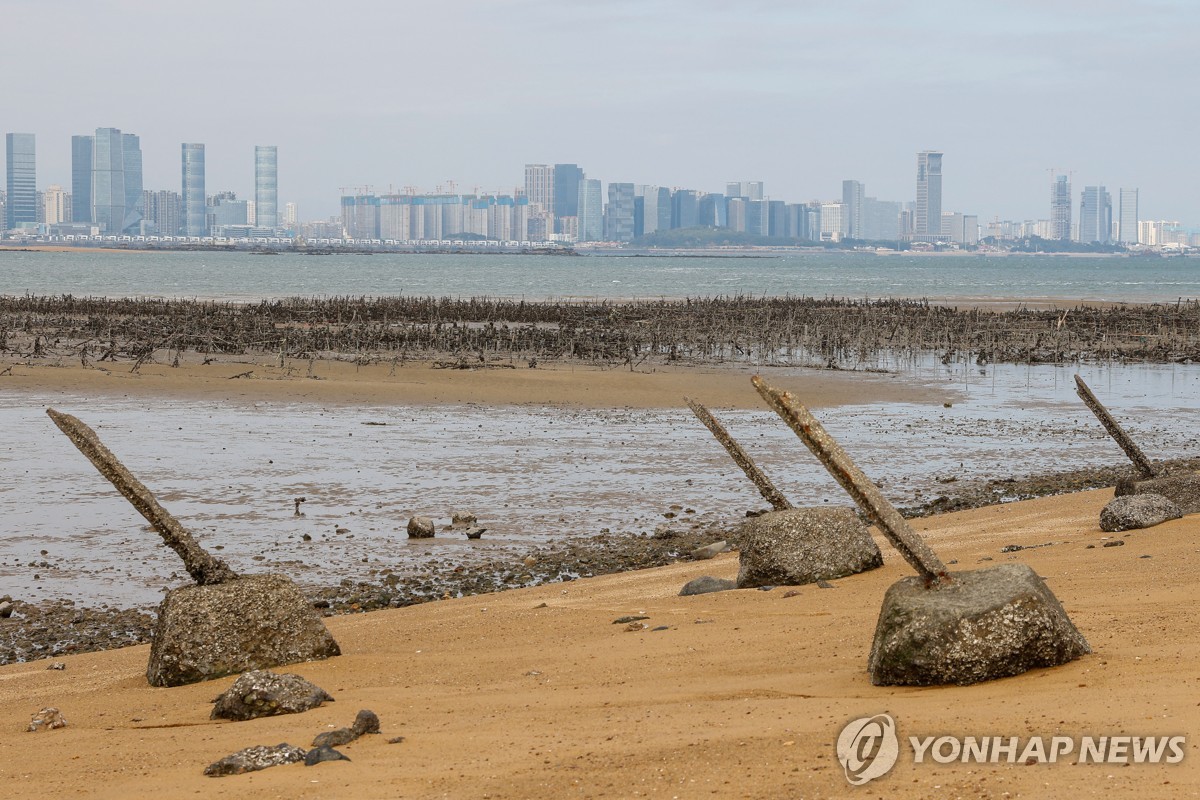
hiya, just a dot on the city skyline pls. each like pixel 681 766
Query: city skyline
pixel 804 95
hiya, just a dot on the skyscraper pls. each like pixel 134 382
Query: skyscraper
pixel 928 217
pixel 591 210
pixel 618 217
pixel 1095 215
pixel 566 192
pixel 162 210
pixel 289 215
pixel 539 186
pixel 853 193
pixel 57 205
pixel 266 186
pixel 21 207
pixel 1060 208
pixel 132 162
pixel 1128 216
pixel 108 180
pixel 194 211
pixel 81 178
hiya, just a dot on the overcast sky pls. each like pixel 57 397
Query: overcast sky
pixel 690 93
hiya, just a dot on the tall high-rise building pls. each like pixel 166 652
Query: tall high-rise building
pixel 539 186
pixel 927 221
pixel 656 208
pixel 567 178
pixel 289 215
pixel 57 205
pixel 1060 208
pixel 685 208
pixel 1095 215
pixel 163 209
pixel 266 186
pixel 591 210
pixel 618 217
pixel 853 193
pixel 1127 219
pixel 21 206
pixel 194 200
pixel 132 161
pixel 750 190
pixel 81 178
pixel 108 180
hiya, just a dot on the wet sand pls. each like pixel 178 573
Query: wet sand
pixel 534 693
pixel 343 383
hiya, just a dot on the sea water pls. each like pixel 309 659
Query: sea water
pixel 967 279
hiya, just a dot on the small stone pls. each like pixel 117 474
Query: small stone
pixel 541 605
pixel 530 561
pixel 706 584
pixel 463 518
pixel 630 618
pixel 1145 556
pixel 420 528
pixel 262 693
pixel 365 722
pixel 709 550
pixel 334 738
pixel 253 759
pixel 1012 548
pixel 395 740
pixel 636 626
pixel 1115 543
pixel 6 609
pixel 48 719
pixel 475 532
pixel 825 585
pixel 323 753
pixel 1090 547
pixel 56 665
pixel 1136 511
pixel 791 593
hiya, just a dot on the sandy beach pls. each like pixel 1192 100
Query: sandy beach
pixel 347 383
pixel 535 693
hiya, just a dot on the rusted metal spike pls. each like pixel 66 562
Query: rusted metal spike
pixel 1140 462
pixel 200 564
pixel 740 457
pixel 857 485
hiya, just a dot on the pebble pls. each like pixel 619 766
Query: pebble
pixel 463 518
pixel 60 665
pixel 708 551
pixel 322 753
pixel 1115 543
pixel 475 532
pixel 706 584
pixel 636 626
pixel 825 585
pixel 6 609
pixel 48 718
pixel 253 759
pixel 630 618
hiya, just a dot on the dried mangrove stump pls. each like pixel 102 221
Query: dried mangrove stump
pixel 1140 462
pixel 203 567
pixel 856 484
pixel 739 456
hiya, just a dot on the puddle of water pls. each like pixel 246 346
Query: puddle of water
pixel 230 472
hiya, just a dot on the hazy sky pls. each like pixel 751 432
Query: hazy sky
pixel 692 93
